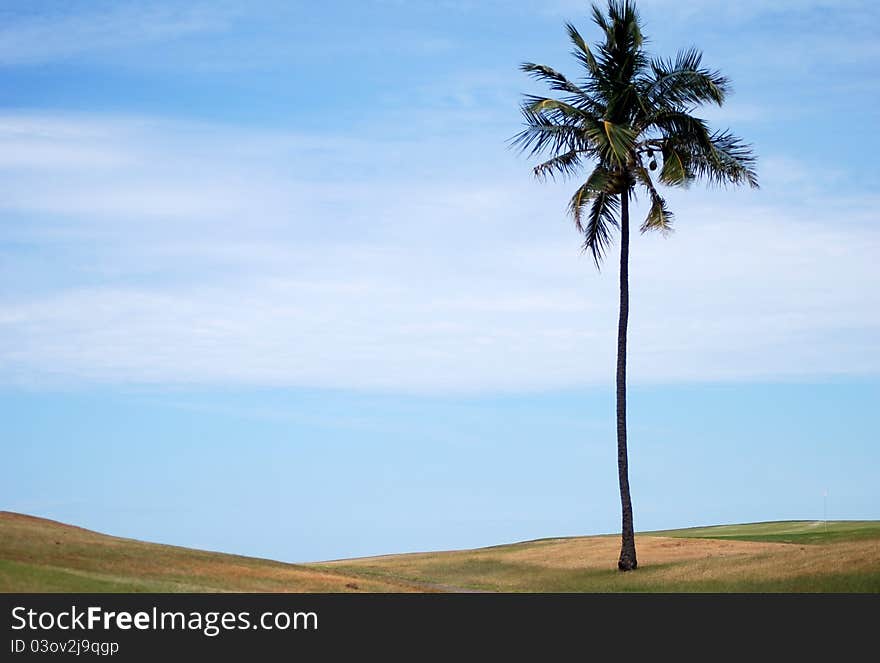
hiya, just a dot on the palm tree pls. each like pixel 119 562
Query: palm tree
pixel 628 116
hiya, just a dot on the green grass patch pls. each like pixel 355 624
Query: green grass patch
pixel 792 531
pixel 23 577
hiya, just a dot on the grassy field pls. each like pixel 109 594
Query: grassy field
pixel 42 555
pixel 38 555
pixel 744 558
pixel 792 531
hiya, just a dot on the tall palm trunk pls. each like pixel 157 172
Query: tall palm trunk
pixel 627 560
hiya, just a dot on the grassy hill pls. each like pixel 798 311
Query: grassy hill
pixel 38 555
pixel 792 531
pixel 761 557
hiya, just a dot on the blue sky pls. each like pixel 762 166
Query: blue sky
pixel 273 283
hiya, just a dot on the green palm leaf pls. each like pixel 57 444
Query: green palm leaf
pixel 659 217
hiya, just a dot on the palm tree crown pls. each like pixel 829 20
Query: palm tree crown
pixel 629 115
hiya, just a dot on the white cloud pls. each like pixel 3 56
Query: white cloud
pixel 205 254
pixel 35 36
pixel 713 9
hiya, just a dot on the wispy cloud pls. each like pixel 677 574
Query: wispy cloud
pixel 171 35
pixel 30 35
pixel 713 9
pixel 188 253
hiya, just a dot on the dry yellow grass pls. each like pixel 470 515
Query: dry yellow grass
pixel 779 561
pixel 665 564
pixel 601 551
pixel 43 555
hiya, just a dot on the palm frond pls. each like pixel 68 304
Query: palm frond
pixel 565 165
pixel 734 161
pixel 587 102
pixel 600 221
pixel 676 170
pixel 725 160
pixel 542 135
pixel 557 126
pixel 555 107
pixel 620 140
pixel 554 79
pixel 681 127
pixel 596 184
pixel 600 20
pixel 684 81
pixel 659 217
pixel 581 51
